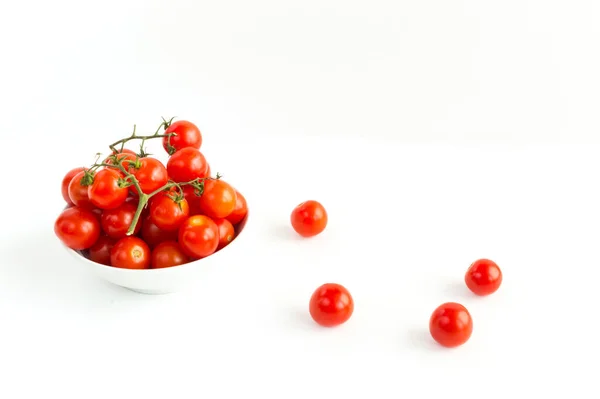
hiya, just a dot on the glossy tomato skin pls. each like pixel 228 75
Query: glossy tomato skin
pixel 331 305
pixel 154 235
pixel 218 199
pixel 483 277
pixel 78 228
pixel 199 236
pixel 168 254
pixel 116 222
pixel 106 192
pixel 240 210
pixel 226 232
pixel 122 157
pixel 192 199
pixel 451 325
pixel 130 253
pixel 65 184
pixel 100 251
pixel 186 165
pixel 150 173
pixel 166 213
pixel 79 193
pixel 309 218
pixel 186 135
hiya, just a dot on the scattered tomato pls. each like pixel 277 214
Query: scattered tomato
pixel 226 232
pixel 65 184
pixel 154 235
pixel 166 213
pixel 150 173
pixel 309 218
pixel 451 325
pixel 116 222
pixel 218 199
pixel 130 253
pixel 100 251
pixel 186 165
pixel 107 191
pixel 168 254
pixel 199 236
pixel 78 228
pixel 483 277
pixel 240 210
pixel 78 193
pixel 331 305
pixel 186 135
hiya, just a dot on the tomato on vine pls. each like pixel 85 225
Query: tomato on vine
pixel 451 325
pixel 168 254
pixel 78 228
pixel 331 305
pixel 154 235
pixel 199 236
pixel 168 210
pixel 218 199
pixel 116 222
pixel 181 134
pixel 186 165
pixel 109 189
pixel 130 253
pixel 65 184
pixel 124 157
pixel 150 173
pixel 190 194
pixel 78 189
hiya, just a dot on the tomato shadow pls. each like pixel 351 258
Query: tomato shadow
pixel 284 231
pixel 38 267
pixel 457 291
pixel 421 339
pixel 299 319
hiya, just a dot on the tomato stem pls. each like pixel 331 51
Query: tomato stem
pixel 163 125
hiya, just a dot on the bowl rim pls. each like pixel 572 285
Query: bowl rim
pixel 78 254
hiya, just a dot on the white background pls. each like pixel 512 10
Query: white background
pixel 435 132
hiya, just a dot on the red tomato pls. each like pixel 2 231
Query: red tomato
pixel 166 213
pixel 154 236
pixel 199 236
pixel 186 135
pixel 226 232
pixel 100 251
pixel 309 218
pixel 167 254
pixel 125 155
pixel 78 193
pixel 130 253
pixel 241 209
pixel 65 184
pixel 218 199
pixel 331 305
pixel 192 199
pixel 107 191
pixel 116 222
pixel 150 173
pixel 483 277
pixel 186 165
pixel 451 325
pixel 77 228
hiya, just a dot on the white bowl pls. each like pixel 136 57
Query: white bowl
pixel 165 280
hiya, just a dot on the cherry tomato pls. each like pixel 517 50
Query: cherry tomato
pixel 186 165
pixel 130 253
pixel 116 222
pixel 168 254
pixel 186 135
pixel 150 173
pixel 309 218
pixel 331 305
pixel 78 193
pixel 483 277
pixel 78 228
pixel 218 199
pixel 100 251
pixel 241 209
pixel 65 184
pixel 122 156
pixel 166 213
pixel 107 192
pixel 199 236
pixel 192 199
pixel 226 232
pixel 451 325
pixel 154 236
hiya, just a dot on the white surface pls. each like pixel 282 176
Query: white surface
pixel 502 98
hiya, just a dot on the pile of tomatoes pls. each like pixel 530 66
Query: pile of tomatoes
pixel 132 211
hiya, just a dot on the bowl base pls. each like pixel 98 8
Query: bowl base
pixel 149 292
